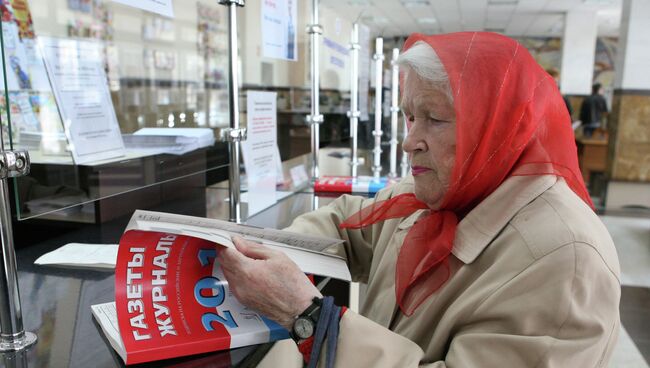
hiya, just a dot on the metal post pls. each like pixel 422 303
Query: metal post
pixel 394 110
pixel 13 337
pixel 12 334
pixel 234 134
pixel 315 118
pixel 354 112
pixel 405 158
pixel 377 133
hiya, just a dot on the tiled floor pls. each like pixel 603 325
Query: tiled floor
pixel 635 317
pixel 632 238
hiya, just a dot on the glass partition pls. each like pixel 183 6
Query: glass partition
pixel 109 98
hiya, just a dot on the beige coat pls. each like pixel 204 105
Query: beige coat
pixel 535 283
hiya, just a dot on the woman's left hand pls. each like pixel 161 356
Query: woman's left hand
pixel 267 281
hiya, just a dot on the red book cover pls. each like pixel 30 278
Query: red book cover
pixel 171 297
pixel 172 300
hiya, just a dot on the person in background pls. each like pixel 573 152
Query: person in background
pixel 593 110
pixel 556 76
pixel 488 255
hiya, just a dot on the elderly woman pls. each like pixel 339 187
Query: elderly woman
pixel 489 255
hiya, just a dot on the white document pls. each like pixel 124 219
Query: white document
pixel 259 150
pixel 78 78
pixel 279 172
pixel 203 136
pixel 279 22
pixel 162 7
pixel 305 250
pixel 176 141
pixel 298 174
pixel 81 255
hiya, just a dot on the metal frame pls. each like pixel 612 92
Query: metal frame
pixel 315 118
pixel 234 135
pixel 404 166
pixel 12 333
pixel 394 110
pixel 377 133
pixel 354 112
pixel 13 337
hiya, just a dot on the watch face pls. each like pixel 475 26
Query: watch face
pixel 303 328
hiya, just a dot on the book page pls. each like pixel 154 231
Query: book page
pixel 323 264
pixel 106 316
pixel 264 235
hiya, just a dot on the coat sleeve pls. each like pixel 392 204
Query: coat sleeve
pixel 357 248
pixel 538 318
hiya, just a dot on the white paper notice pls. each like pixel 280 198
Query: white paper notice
pixel 78 78
pixel 162 7
pixel 259 150
pixel 81 255
pixel 298 174
pixel 279 39
pixel 279 172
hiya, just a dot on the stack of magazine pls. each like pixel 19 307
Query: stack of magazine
pixel 176 141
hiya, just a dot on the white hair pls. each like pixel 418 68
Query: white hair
pixel 423 60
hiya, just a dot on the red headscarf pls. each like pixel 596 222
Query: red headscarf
pixel 510 120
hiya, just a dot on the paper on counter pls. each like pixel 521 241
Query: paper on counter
pixel 102 256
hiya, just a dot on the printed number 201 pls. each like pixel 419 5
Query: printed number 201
pixel 212 301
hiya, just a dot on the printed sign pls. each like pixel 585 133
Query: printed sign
pixel 80 85
pixel 279 22
pixel 259 150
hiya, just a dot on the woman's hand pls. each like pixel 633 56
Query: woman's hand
pixel 267 280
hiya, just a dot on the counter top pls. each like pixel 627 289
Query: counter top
pixel 56 301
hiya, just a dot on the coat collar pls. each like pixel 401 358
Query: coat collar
pixel 476 230
pixel 486 220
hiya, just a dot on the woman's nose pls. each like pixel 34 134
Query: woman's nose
pixel 413 141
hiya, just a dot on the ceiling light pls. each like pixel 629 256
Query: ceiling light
pixel 427 20
pixel 503 2
pixel 375 19
pixel 599 2
pixel 361 3
pixel 415 3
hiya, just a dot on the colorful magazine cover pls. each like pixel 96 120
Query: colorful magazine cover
pixel 171 297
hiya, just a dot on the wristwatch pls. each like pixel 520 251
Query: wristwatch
pixel 305 324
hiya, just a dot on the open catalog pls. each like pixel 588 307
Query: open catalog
pixel 171 298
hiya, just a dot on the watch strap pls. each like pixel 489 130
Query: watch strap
pixel 312 313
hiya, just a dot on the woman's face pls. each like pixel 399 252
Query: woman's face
pixel 431 140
